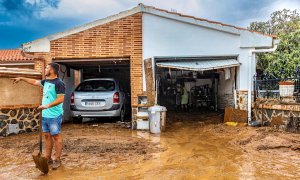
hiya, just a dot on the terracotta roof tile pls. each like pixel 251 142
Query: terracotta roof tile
pixel 9 55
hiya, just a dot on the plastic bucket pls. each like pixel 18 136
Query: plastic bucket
pixel 157 119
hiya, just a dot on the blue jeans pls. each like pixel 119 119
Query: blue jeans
pixel 52 125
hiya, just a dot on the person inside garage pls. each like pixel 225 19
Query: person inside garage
pixel 184 98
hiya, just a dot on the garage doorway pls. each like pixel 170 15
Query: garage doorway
pixel 75 71
pixel 195 84
pixel 188 91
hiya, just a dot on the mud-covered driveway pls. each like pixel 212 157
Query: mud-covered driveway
pixel 192 148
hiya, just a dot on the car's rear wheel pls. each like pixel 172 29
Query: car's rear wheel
pixel 77 120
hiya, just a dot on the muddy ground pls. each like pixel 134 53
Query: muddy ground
pixel 194 146
pixel 89 145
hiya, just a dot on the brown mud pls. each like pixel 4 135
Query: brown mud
pixel 195 146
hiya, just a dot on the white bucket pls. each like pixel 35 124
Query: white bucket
pixel 157 118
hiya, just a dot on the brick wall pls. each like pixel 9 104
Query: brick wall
pixel 120 38
pixel 38 63
pixel 226 100
pixel 19 66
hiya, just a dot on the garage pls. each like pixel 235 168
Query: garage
pixel 76 71
pixel 210 63
pixel 194 84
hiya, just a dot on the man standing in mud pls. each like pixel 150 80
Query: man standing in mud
pixel 52 110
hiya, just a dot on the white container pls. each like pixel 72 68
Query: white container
pixel 142 124
pixel 142 119
pixel 157 118
pixel 286 90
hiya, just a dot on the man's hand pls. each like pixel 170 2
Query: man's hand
pixel 27 80
pixel 57 101
pixel 43 107
pixel 16 80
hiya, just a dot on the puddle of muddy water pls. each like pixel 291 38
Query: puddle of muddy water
pixel 188 150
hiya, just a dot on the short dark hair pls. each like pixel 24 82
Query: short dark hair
pixel 55 67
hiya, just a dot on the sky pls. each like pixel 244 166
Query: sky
pixel 22 21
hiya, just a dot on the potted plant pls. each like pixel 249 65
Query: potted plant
pixel 286 85
pixel 286 88
pixel 284 62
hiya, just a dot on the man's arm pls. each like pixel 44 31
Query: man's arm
pixel 28 80
pixel 60 99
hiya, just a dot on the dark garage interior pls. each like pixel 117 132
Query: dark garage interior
pixel 118 69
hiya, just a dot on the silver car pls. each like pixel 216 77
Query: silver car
pixel 101 97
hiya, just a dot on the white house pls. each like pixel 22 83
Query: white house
pixel 216 56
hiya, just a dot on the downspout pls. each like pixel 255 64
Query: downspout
pixel 250 80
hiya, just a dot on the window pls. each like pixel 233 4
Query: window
pixel 96 85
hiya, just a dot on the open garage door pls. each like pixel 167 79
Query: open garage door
pixel 196 84
pixel 199 65
pixel 76 71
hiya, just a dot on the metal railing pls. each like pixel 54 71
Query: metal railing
pixel 269 88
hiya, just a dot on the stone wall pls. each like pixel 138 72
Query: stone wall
pixel 242 100
pixel 18 102
pixel 27 119
pixel 286 117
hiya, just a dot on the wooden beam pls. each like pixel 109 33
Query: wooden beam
pixel 150 88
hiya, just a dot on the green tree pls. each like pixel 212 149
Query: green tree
pixel 286 57
pixel 284 21
pixel 285 25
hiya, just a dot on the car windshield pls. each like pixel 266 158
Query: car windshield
pixel 96 85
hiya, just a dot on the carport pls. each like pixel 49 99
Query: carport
pixel 74 71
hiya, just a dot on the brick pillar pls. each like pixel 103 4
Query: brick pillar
pixel 150 82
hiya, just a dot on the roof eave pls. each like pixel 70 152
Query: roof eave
pixel 191 20
pixel 199 21
pixel 43 44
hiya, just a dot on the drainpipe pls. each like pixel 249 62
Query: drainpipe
pixel 250 80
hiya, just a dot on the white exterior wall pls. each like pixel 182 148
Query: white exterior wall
pixel 243 70
pixel 226 89
pixel 169 37
pixel 226 86
pixel 166 37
